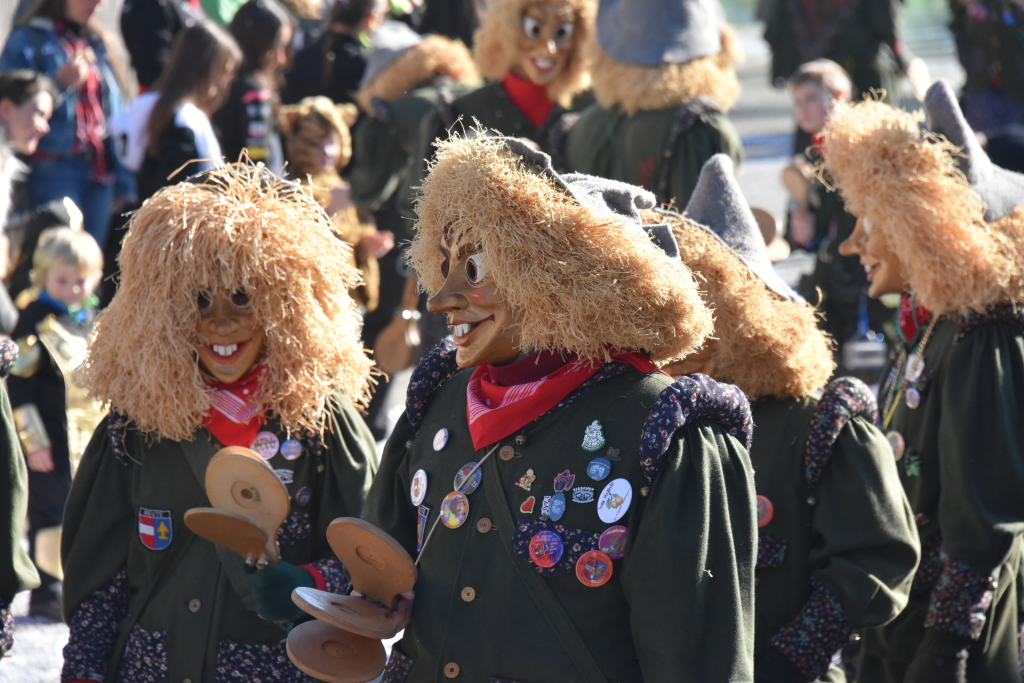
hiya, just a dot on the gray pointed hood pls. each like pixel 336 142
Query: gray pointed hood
pixel 656 32
pixel 390 42
pixel 717 204
pixel 1001 190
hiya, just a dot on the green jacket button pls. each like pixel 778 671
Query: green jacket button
pixel 469 594
pixel 451 670
pixel 194 605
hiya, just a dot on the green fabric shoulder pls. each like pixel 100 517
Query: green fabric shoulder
pixel 17 573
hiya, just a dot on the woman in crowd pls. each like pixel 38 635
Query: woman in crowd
pixel 939 224
pixel 248 120
pixel 170 127
pixel 76 158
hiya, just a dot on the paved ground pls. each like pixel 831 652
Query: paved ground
pixel 764 119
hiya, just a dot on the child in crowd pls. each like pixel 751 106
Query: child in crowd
pixel 170 127
pixel 52 411
pixel 319 146
pixel 247 121
pixel 819 222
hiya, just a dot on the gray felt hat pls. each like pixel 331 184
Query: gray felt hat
pixel 655 32
pixel 1001 190
pixel 601 195
pixel 717 204
pixel 390 42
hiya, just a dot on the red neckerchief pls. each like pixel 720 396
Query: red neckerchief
pixel 818 141
pixel 532 99
pixel 236 411
pixel 912 316
pixel 494 411
pixel 90 121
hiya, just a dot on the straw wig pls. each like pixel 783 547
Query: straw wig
pixel 650 88
pixel 239 228
pixel 577 279
pixel 765 345
pixel 496 45
pixel 906 182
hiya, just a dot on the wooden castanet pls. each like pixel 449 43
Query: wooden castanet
pixel 348 612
pixel 331 654
pixel 379 567
pixel 233 531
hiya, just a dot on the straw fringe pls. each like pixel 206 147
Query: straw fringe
pixel 765 345
pixel 650 88
pixel 235 230
pixel 496 45
pixel 577 280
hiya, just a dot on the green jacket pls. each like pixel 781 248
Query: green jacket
pixel 140 605
pixel 386 146
pixel 963 471
pixel 839 551
pixel 638 149
pixel 678 606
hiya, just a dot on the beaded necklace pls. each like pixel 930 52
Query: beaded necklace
pixel 905 366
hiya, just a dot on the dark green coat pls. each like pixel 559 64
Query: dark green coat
pixel 635 149
pixel 677 607
pixel 842 532
pixel 963 470
pixel 386 146
pixel 174 612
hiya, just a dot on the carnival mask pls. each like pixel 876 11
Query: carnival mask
pixel 884 271
pixel 231 342
pixel 546 43
pixel 483 328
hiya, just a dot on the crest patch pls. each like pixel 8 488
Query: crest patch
pixel 155 528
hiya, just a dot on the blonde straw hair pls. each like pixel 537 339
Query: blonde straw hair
pixel 765 345
pixel 578 280
pixel 75 248
pixel 496 45
pixel 238 229
pixel 906 182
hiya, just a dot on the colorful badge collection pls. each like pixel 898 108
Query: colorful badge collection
pixel 267 445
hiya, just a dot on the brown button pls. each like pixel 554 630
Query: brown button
pixel 484 525
pixel 194 605
pixel 451 670
pixel 507 453
pixel 187 680
pixel 468 594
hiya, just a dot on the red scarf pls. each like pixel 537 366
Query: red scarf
pixel 236 412
pixel 912 316
pixel 532 99
pixel 495 410
pixel 90 120
pixel 818 142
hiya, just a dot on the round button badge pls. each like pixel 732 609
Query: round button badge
pixel 465 482
pixel 765 511
pixel 454 510
pixel 599 469
pixel 613 542
pixel 913 398
pixel 266 444
pixel 418 488
pixel 594 568
pixel 557 506
pixel 614 500
pixel 897 443
pixel 291 449
pixel 440 439
pixel 546 549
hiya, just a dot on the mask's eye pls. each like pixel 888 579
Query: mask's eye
pixel 564 32
pixel 240 299
pixel 868 226
pixel 445 267
pixel 476 269
pixel 531 27
pixel 204 300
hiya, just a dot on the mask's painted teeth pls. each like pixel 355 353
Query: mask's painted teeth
pixel 462 329
pixel 224 350
pixel 544 64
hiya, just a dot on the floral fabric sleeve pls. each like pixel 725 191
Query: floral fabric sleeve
pixel 93 630
pixel 815 634
pixel 960 599
pixel 329 575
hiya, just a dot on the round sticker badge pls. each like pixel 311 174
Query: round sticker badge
pixel 440 439
pixel 303 496
pixel 557 506
pixel 466 483
pixel 266 444
pixel 291 449
pixel 898 444
pixel 614 500
pixel 594 568
pixel 765 511
pixel 454 510
pixel 613 542
pixel 913 398
pixel 546 549
pixel 599 469
pixel 418 488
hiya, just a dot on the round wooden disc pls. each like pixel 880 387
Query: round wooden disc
pixel 240 481
pixel 378 566
pixel 230 530
pixel 330 654
pixel 347 612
